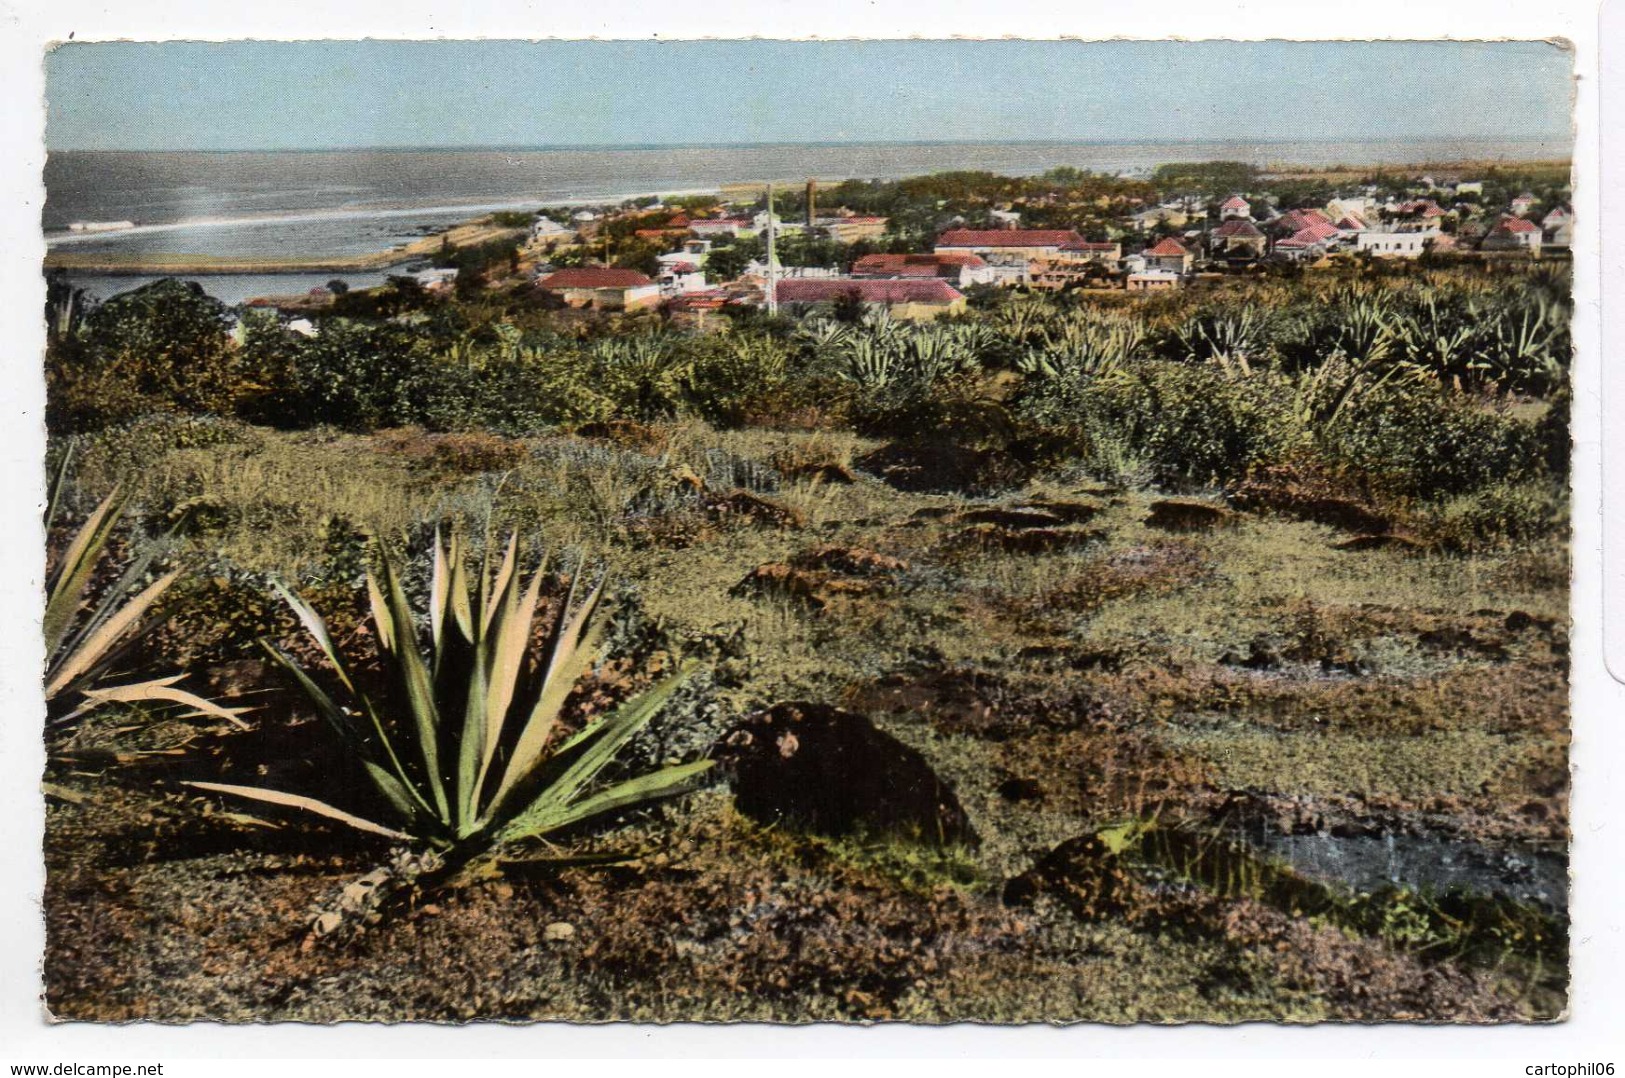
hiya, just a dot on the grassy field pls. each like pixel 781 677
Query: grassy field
pixel 1137 705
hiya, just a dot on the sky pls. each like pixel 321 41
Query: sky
pixel 334 95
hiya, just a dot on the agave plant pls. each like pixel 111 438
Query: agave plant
pixel 87 637
pixel 463 741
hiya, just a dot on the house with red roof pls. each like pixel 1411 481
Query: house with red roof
pixel 1235 207
pixel 917 299
pixel 1512 234
pixel 957 268
pixel 603 288
pixel 1294 221
pixel 1557 228
pixel 1006 244
pixel 1522 204
pixel 1170 255
pixel 1238 238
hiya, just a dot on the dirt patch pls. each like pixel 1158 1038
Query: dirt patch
pixel 745 507
pixel 1307 494
pixel 1180 515
pixel 1025 539
pixel 927 468
pixel 1403 543
pixel 849 561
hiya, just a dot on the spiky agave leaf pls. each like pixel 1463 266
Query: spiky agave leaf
pixel 85 640
pixel 476 697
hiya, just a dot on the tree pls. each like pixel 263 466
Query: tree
pixel 163 347
pixel 727 263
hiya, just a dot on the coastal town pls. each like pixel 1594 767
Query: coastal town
pixel 693 260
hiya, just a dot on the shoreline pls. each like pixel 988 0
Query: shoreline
pixel 475 231
pixel 467 234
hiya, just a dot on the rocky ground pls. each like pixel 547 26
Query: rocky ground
pixel 990 749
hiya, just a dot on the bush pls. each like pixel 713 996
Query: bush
pixel 1430 444
pixel 1501 515
pixel 1188 424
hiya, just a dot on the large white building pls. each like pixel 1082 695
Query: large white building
pixel 1394 244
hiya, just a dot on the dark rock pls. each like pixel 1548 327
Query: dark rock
pixel 1262 655
pixel 1019 789
pixel 834 773
pixel 1084 874
pixel 1179 515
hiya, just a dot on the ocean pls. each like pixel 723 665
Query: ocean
pixel 332 204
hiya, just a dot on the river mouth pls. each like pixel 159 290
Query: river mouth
pixel 1425 863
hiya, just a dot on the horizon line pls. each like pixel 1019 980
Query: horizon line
pixel 770 144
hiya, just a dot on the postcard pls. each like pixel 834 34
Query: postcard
pixel 856 531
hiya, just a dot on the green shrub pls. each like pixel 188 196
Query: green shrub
pixel 1501 515
pixel 1426 443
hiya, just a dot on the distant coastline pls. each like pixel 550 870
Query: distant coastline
pixel 304 243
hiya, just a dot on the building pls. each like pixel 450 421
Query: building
pixel 720 226
pixel 602 288
pixel 435 278
pixel 1004 218
pixel 1235 207
pixel 1152 281
pixel 1557 228
pixel 1146 220
pixel 1522 204
pixel 699 310
pixel 694 252
pixel 1088 251
pixel 1512 234
pixel 921 300
pixel 680 278
pixel 1394 244
pixel 1238 238
pixel 1052 276
pixel 960 270
pixel 1463 188
pixel 1169 255
pixel 854 228
pixel 548 233
pixel 1007 244
pixel 1294 221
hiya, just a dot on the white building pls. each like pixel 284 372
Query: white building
pixel 1394 244
pixel 548 231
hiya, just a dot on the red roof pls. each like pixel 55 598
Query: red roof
pixel 1237 227
pixel 946 264
pixel 1234 202
pixel 1318 230
pixel 1515 224
pixel 1008 237
pixel 594 277
pixel 825 289
pixel 1169 247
